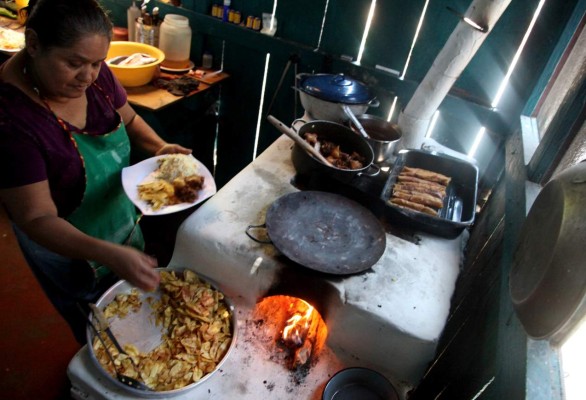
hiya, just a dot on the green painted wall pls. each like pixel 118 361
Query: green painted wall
pixel 300 32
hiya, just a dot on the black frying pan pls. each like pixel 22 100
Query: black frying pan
pixel 325 232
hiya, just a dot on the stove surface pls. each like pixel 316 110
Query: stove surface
pixel 250 371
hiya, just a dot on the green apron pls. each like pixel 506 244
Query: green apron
pixel 105 211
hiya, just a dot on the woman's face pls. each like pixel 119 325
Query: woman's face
pixel 68 72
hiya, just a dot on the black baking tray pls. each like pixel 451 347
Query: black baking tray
pixel 459 204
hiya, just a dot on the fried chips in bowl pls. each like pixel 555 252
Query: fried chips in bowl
pixel 175 337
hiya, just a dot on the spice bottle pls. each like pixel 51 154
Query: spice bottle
pixel 175 41
pixel 226 14
pixel 132 14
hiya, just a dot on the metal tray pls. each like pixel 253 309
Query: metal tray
pixel 459 204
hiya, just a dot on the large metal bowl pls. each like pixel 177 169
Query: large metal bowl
pixel 327 110
pixel 139 329
pixel 324 96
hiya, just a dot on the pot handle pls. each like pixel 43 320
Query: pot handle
pixel 375 173
pixel 295 121
pixel 374 103
pixel 257 227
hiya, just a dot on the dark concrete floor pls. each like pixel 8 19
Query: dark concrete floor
pixel 35 344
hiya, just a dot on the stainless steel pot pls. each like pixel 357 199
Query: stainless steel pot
pixel 383 136
pixel 324 95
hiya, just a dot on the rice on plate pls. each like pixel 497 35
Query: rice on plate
pixel 176 166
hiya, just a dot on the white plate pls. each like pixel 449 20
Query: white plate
pixel 134 175
pixel 11 41
pixel 178 70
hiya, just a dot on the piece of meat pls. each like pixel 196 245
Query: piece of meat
pixel 418 188
pixel 426 175
pixel 422 182
pixel 310 138
pixel 413 206
pixel 419 198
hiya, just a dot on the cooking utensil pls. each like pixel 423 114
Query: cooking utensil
pixel 383 136
pixel 126 380
pixel 354 120
pixel 104 326
pixel 322 96
pixel 459 204
pixel 298 140
pixel 548 278
pixel 348 141
pixel 359 383
pixel 323 231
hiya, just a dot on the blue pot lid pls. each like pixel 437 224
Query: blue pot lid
pixel 336 88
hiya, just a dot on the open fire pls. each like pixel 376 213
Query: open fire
pixel 291 329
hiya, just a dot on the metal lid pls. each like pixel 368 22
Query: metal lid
pixel 336 88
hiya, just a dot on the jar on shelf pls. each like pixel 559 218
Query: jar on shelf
pixel 175 41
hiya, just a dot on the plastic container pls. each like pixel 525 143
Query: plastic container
pixel 175 41
pixel 132 15
pixel 207 60
pixel 134 75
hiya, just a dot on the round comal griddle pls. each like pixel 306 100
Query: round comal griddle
pixel 325 232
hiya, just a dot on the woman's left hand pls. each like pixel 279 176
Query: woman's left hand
pixel 172 148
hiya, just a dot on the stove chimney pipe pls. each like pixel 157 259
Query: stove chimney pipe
pixel 461 46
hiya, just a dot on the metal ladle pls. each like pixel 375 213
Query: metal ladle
pixel 128 381
pixel 354 120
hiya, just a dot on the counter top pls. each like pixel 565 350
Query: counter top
pixel 391 315
pixel 153 98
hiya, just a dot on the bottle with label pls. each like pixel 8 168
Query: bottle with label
pixel 132 14
pixel 175 41
pixel 226 14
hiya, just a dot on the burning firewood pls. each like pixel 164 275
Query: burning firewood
pixel 298 331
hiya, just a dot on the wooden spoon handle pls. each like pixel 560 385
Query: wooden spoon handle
pixel 298 139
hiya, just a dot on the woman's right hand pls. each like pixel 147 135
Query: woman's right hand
pixel 31 207
pixel 135 267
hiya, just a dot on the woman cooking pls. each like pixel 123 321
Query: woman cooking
pixel 65 134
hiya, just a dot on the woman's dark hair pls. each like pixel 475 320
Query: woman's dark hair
pixel 61 23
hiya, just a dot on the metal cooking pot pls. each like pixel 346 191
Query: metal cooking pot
pixel 324 231
pixel 348 142
pixel 548 275
pixel 324 96
pixel 383 136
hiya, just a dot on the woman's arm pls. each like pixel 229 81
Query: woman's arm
pixel 144 137
pixel 33 210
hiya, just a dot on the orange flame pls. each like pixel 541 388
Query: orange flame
pixel 297 325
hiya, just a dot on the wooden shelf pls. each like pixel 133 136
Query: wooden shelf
pixel 154 98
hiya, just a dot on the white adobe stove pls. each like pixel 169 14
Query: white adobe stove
pixel 388 318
